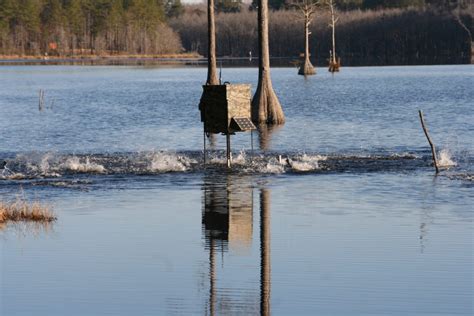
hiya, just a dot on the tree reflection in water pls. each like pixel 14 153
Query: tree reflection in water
pixel 227 219
pixel 265 133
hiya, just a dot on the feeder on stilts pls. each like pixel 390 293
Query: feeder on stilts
pixel 226 109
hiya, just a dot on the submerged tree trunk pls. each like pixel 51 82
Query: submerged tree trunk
pixel 265 105
pixel 211 45
pixel 334 63
pixel 306 68
pixel 333 24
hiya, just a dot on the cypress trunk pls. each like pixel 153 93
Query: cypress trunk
pixel 266 107
pixel 211 45
pixel 306 68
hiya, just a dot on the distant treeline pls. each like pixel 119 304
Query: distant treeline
pixel 371 4
pixel 33 27
pixel 383 37
pixel 369 32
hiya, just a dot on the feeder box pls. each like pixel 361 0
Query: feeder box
pixel 226 108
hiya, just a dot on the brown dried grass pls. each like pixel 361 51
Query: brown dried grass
pixel 22 210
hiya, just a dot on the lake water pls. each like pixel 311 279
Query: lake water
pixel 356 224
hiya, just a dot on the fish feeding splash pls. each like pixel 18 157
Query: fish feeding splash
pixel 445 159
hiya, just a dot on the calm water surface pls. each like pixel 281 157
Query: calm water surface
pixel 355 224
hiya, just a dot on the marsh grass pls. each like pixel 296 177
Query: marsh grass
pixel 22 210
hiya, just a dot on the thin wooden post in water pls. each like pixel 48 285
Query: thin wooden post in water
pixel 251 142
pixel 433 149
pixel 228 150
pixel 41 100
pixel 204 139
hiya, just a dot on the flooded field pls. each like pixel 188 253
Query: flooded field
pixel 338 212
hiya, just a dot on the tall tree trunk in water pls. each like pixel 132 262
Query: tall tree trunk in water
pixel 333 24
pixel 265 105
pixel 334 63
pixel 211 45
pixel 306 68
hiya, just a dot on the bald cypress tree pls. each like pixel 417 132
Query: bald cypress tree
pixel 266 107
pixel 307 10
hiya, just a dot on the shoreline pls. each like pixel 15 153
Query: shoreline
pixel 191 59
pixel 34 59
pixel 99 56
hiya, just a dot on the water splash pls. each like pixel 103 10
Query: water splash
pixel 54 165
pixel 272 166
pixel 304 162
pixel 74 164
pixel 39 164
pixel 445 160
pixel 9 175
pixel 170 162
pixel 220 158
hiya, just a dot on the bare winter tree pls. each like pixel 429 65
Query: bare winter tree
pixel 457 16
pixel 211 51
pixel 266 107
pixel 307 10
pixel 334 63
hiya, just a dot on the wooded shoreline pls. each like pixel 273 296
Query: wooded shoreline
pixel 424 35
pixel 364 38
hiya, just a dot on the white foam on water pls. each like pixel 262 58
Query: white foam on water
pixel 75 164
pixel 218 160
pixel 47 170
pixel 240 159
pixel 462 176
pixel 468 177
pixel 405 155
pixel 36 165
pixel 7 174
pixel 169 162
pixel 305 162
pixel 445 160
pixel 305 157
pixel 302 166
pixel 16 176
pixel 272 166
pixel 44 163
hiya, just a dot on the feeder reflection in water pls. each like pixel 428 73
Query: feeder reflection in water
pixel 227 220
pixel 228 211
